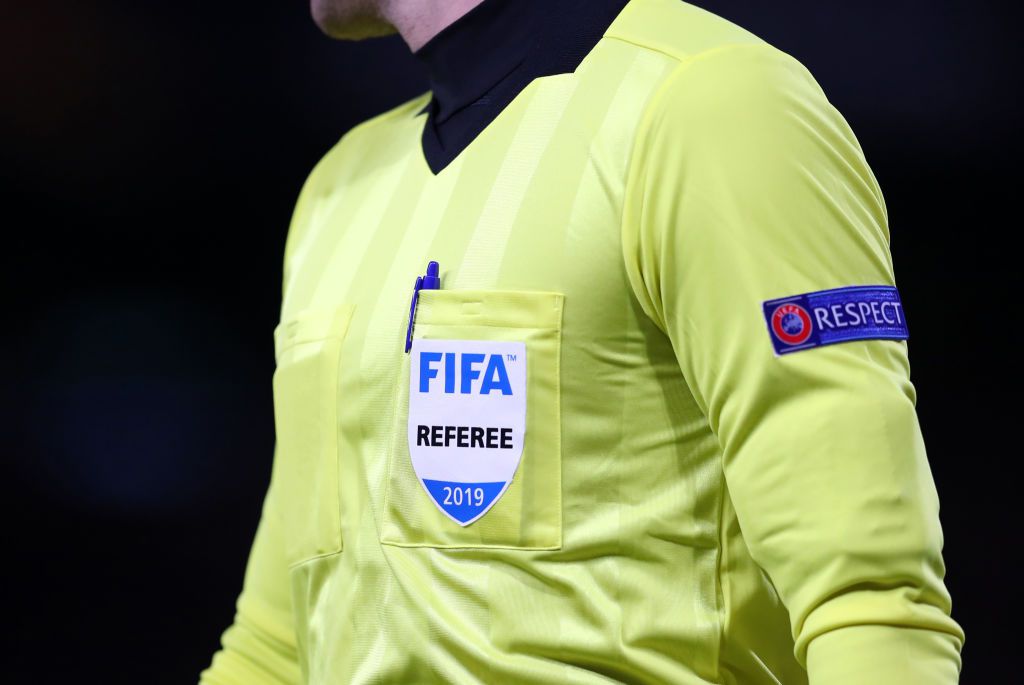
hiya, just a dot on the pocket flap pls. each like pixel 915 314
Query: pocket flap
pixel 499 308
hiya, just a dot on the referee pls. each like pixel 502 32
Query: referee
pixel 591 368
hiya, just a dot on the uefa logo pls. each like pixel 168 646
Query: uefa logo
pixel 791 324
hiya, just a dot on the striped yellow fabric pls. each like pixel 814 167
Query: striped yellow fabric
pixel 692 508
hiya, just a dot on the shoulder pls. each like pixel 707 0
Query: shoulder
pixel 716 66
pixel 726 95
pixel 367 145
pixel 675 28
pixel 378 135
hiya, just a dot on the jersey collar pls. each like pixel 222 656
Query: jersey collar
pixel 479 63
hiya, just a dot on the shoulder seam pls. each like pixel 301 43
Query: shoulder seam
pixel 648 48
pixel 686 58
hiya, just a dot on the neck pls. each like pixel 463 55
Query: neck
pixel 420 20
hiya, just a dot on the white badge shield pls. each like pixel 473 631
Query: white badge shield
pixel 467 421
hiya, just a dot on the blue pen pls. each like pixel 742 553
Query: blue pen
pixel 431 281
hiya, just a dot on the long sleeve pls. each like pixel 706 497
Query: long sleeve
pixel 747 185
pixel 259 647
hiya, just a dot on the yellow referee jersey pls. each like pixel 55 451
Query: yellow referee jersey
pixel 595 463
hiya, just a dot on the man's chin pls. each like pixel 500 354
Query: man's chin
pixel 348 19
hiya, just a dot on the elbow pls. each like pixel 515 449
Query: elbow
pixel 898 586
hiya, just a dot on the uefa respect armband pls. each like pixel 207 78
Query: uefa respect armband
pixel 827 317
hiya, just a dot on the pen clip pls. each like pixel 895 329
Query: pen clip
pixel 412 312
pixel 431 281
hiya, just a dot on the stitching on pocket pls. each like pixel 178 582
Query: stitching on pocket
pixel 310 467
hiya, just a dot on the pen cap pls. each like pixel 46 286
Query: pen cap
pixel 432 281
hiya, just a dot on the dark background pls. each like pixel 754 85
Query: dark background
pixel 150 155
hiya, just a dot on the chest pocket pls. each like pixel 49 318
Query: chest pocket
pixel 528 513
pixel 307 349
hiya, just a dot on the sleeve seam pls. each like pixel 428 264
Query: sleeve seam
pixel 633 173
